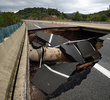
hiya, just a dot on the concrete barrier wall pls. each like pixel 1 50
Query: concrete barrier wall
pixel 9 55
pixel 22 88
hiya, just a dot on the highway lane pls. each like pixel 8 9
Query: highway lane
pixel 97 84
pixel 32 25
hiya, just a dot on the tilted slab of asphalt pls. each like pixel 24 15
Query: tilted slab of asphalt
pixel 97 84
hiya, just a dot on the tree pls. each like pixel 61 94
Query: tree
pixel 104 17
pixel 77 17
pixel 98 18
pixel 8 18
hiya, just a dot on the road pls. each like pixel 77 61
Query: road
pixel 97 84
pixel 33 25
pixel 102 26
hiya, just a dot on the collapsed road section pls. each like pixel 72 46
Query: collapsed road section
pixel 61 56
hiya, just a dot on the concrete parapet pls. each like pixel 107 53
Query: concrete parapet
pixel 23 83
pixel 93 27
pixel 9 55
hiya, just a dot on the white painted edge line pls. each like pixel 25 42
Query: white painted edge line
pixel 37 26
pixel 56 72
pixel 70 42
pixel 50 40
pixel 102 70
pixel 108 38
pixel 92 47
pixel 40 59
pixel 77 50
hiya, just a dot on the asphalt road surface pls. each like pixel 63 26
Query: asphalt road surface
pixel 96 86
pixel 33 25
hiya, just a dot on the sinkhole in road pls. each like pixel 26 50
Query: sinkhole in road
pixel 70 34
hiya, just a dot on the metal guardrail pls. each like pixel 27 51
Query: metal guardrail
pixel 6 32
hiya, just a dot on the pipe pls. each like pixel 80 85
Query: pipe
pixel 50 54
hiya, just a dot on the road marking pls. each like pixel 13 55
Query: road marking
pixel 108 38
pixel 92 47
pixel 54 71
pixel 77 49
pixel 102 70
pixel 50 40
pixel 37 26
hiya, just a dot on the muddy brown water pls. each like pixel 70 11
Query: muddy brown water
pixel 70 34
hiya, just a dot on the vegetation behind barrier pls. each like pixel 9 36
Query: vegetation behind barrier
pixel 9 23
pixel 8 18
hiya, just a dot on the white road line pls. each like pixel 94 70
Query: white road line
pixel 102 70
pixel 108 38
pixel 37 26
pixel 92 47
pixel 50 40
pixel 77 49
pixel 54 71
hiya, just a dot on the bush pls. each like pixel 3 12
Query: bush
pixel 8 18
pixel 104 17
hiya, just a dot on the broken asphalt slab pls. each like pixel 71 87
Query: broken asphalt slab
pixel 48 81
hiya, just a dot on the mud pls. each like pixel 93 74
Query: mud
pixel 73 33
pixel 36 94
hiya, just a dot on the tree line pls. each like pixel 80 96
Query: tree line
pixel 101 16
pixel 41 13
pixel 8 18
